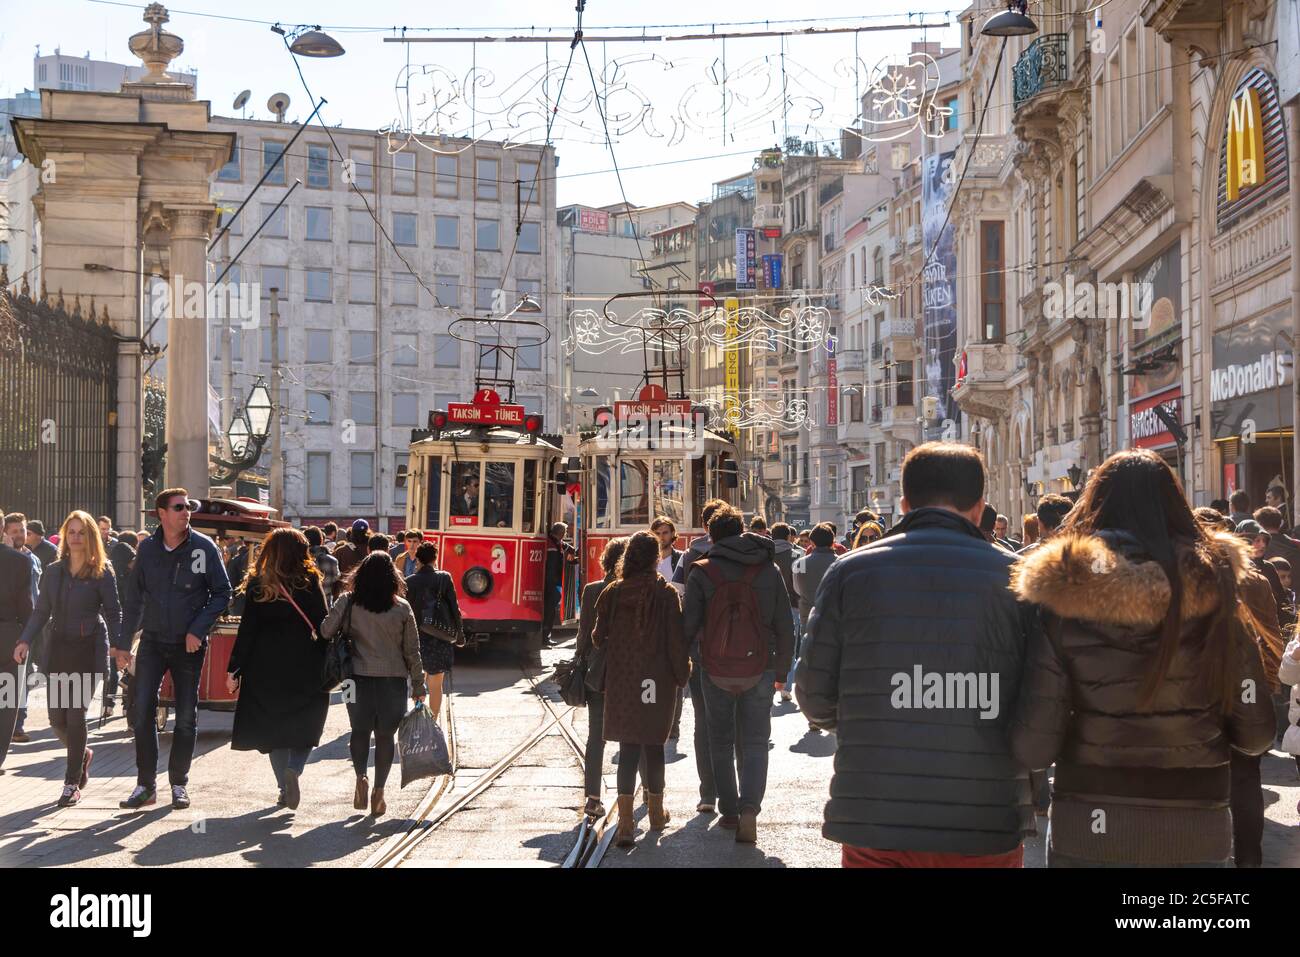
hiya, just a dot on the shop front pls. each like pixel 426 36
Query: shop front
pixel 1250 403
pixel 1149 429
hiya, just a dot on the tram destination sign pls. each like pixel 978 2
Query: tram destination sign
pixel 463 413
pixel 649 408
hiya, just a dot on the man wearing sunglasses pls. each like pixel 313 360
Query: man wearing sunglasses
pixel 180 586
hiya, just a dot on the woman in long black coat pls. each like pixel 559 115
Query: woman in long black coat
pixel 277 661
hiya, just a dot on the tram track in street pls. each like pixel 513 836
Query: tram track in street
pixel 593 837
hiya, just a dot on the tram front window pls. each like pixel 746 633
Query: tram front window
pixel 601 485
pixel 699 491
pixel 465 493
pixel 633 492
pixel 499 504
pixel 670 490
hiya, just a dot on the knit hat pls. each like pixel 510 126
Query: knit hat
pixel 360 525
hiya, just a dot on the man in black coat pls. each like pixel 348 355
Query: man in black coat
pixel 913 656
pixel 15 609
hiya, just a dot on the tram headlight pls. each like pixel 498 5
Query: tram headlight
pixel 477 582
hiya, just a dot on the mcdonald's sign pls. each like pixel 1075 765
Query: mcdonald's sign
pixel 1245 147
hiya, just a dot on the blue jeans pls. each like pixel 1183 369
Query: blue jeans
pixel 752 711
pixel 794 658
pixel 284 758
pixel 703 760
pixel 152 661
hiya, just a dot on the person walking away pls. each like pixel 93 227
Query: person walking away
pixel 639 624
pixel 809 570
pixel 559 554
pixel 1239 503
pixel 15 533
pixel 237 568
pixel 1289 674
pixel 695 688
pixel 17 600
pixel 176 591
pixel 121 555
pixel 407 562
pixel 277 660
pixel 925 608
pixel 350 553
pixel 594 755
pixel 1050 513
pixel 784 559
pixel 325 563
pixel 79 597
pixel 1134 688
pixel 426 589
pixel 669 558
pixel 737 606
pixel 385 655
pixel 1029 525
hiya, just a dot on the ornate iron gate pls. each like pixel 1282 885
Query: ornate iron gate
pixel 58 407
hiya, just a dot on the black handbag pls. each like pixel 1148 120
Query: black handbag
pixel 571 676
pixel 337 666
pixel 596 671
pixel 437 622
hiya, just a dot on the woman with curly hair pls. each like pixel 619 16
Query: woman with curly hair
pixel 639 623
pixel 277 659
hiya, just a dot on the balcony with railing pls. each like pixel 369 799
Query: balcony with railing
pixel 902 415
pixel 913 234
pixel 898 328
pixel 1044 66
pixel 769 214
pixel 877 350
pixel 876 412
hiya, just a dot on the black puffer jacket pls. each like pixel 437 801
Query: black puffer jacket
pixel 931 596
pixel 1160 777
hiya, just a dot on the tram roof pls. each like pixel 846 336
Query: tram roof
pixel 477 434
pixel 636 443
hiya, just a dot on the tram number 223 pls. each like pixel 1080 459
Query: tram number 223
pixel 498 560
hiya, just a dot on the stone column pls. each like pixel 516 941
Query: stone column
pixel 187 349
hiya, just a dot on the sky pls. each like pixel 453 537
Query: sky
pixel 663 100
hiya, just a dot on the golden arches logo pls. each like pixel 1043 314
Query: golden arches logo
pixel 1245 159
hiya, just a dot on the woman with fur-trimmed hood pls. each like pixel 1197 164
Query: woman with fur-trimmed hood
pixel 1145 676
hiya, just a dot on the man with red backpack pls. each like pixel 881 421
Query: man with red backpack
pixel 738 610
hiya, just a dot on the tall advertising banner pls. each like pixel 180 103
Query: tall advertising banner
pixel 938 283
pixel 746 263
pixel 832 386
pixel 731 358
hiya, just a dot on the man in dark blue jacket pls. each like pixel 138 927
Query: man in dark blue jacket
pixel 181 586
pixel 914 655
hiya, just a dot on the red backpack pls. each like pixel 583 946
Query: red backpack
pixel 736 641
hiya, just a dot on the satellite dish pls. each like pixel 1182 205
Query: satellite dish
pixel 279 105
pixel 242 100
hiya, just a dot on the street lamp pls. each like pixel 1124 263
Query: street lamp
pixel 527 305
pixel 1011 22
pixel 238 435
pixel 1074 474
pixel 258 410
pixel 247 435
pixel 588 393
pixel 310 41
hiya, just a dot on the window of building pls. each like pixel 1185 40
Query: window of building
pixel 406 349
pixel 529 355
pixel 485 294
pixel 320 221
pixel 272 151
pixel 446 232
pixel 446 182
pixel 361 407
pixel 992 282
pixel 532 404
pixel 361 228
pixel 953 119
pixel 362 168
pixel 403 173
pixel 276 277
pixel 448 289
pixel 277 221
pixel 320 345
pixel 236 225
pixel 405 290
pixel 527 173
pixel 318 408
pixel 406 408
pixel 363 478
pixel 232 172
pixel 487 235
pixel 318 166
pixel 404 229
pixel 446 352
pixel 530 237
pixel 320 285
pixel 264 343
pixel 361 347
pixel 487 172
pixel 318 478
pixel 361 286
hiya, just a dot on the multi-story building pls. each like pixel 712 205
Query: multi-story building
pixel 371 280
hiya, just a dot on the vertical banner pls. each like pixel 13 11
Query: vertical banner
pixel 938 283
pixel 731 359
pixel 832 386
pixel 772 270
pixel 746 267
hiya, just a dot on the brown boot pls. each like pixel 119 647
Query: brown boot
pixel 747 830
pixel 659 816
pixel 625 836
pixel 361 796
pixel 377 805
